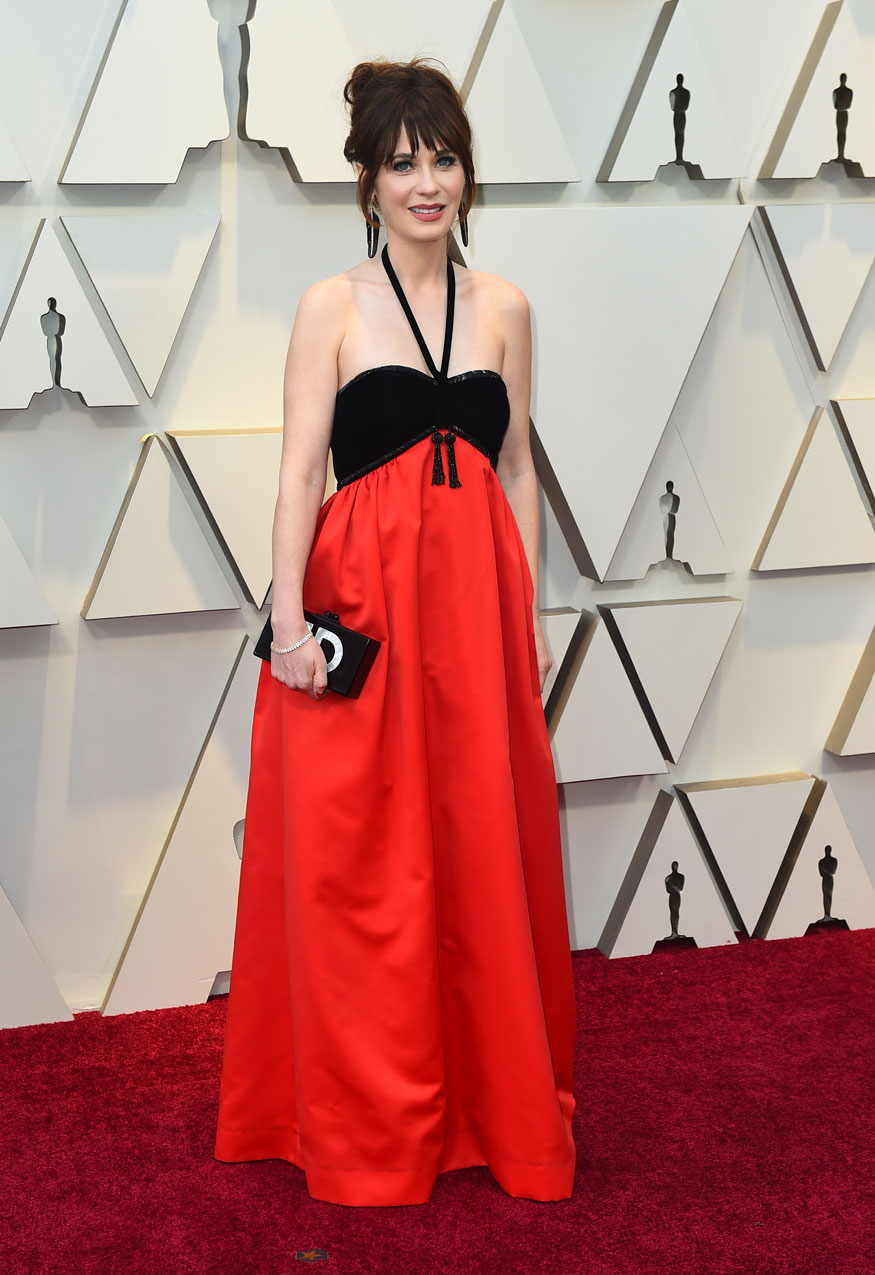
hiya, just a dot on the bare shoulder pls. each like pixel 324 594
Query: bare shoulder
pixel 500 295
pixel 326 300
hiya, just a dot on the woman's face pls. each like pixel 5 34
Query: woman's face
pixel 418 196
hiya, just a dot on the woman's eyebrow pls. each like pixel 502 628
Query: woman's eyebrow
pixel 442 150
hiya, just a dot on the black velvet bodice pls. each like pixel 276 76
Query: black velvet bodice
pixel 386 409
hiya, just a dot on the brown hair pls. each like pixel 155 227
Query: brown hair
pixel 382 97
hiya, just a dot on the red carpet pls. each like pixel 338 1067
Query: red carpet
pixel 725 1124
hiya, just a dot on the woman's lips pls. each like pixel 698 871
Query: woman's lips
pixel 431 214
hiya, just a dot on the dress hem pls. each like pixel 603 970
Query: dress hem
pixel 373 1187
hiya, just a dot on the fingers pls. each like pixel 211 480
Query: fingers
pixel 306 673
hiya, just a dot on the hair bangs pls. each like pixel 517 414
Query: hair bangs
pixel 416 117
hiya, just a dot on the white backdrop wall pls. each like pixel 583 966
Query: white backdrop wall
pixel 102 722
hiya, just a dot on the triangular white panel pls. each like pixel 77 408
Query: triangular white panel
pixel 748 824
pixel 88 365
pixel 697 543
pixel 601 404
pixel 299 59
pixel 235 474
pixel 597 728
pixel 807 136
pixel 28 993
pixel 820 519
pixel 145 269
pixel 12 167
pixel 518 136
pixel 156 561
pixel 21 601
pixel 802 902
pixel 159 90
pixel 854 728
pixel 647 919
pixel 558 628
pixel 184 933
pixel 300 55
pixel 827 251
pixel 675 648
pixel 450 31
pixel 649 139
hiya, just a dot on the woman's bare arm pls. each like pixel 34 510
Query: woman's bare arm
pixel 516 469
pixel 309 390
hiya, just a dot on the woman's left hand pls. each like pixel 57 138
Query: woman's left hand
pixel 544 661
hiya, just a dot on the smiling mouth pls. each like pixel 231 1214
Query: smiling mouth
pixel 427 208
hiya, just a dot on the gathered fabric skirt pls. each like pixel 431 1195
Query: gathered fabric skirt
pixel 401 997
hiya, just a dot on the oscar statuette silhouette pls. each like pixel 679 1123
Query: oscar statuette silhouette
pixel 679 100
pixel 842 97
pixel 674 884
pixel 827 868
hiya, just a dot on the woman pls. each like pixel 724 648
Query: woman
pixel 401 999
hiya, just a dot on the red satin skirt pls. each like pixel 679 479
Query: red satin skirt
pixel 401 995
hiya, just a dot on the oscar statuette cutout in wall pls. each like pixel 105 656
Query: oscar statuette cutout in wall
pixel 654 890
pixel 50 338
pixel 674 884
pixel 158 92
pixel 673 118
pixel 823 883
pixel 827 867
pixel 671 527
pixel 297 54
pixel 826 127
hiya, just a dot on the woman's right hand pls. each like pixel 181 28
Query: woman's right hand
pixel 302 670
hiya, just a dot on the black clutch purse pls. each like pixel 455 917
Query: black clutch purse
pixel 349 654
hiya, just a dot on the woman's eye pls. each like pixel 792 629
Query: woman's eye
pixel 404 165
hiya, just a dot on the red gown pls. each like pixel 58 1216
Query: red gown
pixel 401 995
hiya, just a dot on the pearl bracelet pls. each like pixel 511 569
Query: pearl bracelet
pixel 284 650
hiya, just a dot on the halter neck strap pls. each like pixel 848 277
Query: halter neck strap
pixel 448 329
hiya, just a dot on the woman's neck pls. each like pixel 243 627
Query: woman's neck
pixel 419 266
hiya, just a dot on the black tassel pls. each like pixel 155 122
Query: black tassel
pixel 437 469
pixel 450 439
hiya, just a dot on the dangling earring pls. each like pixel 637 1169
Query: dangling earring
pixel 463 227
pixel 373 233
